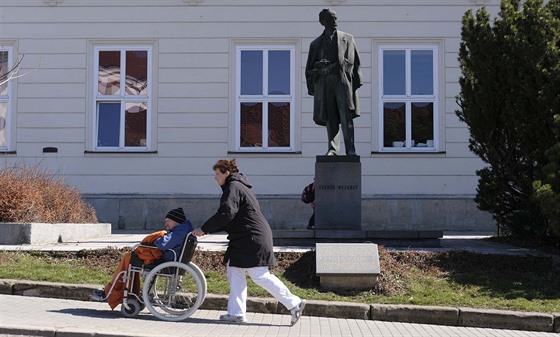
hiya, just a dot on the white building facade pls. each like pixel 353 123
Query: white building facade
pixel 132 102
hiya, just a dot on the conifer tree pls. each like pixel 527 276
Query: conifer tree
pixel 509 96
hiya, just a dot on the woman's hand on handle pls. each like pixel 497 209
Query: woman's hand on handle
pixel 197 232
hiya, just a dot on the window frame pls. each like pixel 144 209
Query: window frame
pixel 122 98
pixel 264 98
pixel 408 98
pixel 7 99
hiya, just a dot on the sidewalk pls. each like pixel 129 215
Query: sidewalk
pixel 325 314
pixel 20 315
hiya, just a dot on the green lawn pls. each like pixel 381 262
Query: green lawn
pixel 534 290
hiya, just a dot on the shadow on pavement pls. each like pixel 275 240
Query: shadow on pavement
pixel 115 314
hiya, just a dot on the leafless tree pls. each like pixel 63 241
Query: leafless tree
pixel 7 74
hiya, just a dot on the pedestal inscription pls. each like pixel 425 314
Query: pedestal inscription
pixel 347 265
pixel 338 192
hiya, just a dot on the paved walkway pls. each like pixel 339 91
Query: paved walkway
pixel 34 316
pixel 469 241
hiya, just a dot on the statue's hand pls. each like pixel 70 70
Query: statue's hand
pixel 328 70
pixel 321 64
pixel 312 72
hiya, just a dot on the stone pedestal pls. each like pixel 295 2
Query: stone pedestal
pixel 338 192
pixel 347 265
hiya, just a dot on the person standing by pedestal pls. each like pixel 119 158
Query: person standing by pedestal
pixel 308 197
pixel 333 76
pixel 250 247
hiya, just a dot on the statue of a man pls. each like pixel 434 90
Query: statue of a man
pixel 333 76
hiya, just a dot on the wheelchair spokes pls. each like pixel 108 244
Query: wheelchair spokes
pixel 173 290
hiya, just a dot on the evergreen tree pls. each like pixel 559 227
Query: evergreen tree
pixel 509 96
pixel 547 190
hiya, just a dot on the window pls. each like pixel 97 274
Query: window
pixel 408 98
pixel 122 98
pixel 265 99
pixel 5 93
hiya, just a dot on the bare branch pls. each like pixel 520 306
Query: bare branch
pixel 14 72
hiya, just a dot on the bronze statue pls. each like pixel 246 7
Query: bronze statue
pixel 333 76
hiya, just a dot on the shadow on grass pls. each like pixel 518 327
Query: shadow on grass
pixel 498 276
pixel 505 276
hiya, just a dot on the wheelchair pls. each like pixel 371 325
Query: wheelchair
pixel 172 290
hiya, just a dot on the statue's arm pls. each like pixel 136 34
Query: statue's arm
pixel 310 72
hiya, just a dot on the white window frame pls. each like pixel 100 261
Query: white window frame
pixel 7 99
pixel 408 98
pixel 122 98
pixel 265 98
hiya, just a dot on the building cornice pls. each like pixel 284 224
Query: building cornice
pixel 53 2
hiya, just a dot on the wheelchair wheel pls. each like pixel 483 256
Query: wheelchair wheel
pixel 135 308
pixel 173 291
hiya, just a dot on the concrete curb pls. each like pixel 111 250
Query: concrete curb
pixel 15 330
pixel 451 316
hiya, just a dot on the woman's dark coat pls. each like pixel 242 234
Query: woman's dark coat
pixel 249 234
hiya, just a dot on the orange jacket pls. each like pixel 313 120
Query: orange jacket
pixel 146 254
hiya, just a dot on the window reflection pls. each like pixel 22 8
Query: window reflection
pixel 137 72
pixel 279 72
pixel 265 79
pixel 422 124
pixel 108 124
pixel 394 124
pixel 109 73
pixel 123 98
pixel 3 124
pixel 279 124
pixel 422 76
pixel 394 78
pixel 251 124
pixel 3 70
pixel 251 72
pixel 409 76
pixel 135 124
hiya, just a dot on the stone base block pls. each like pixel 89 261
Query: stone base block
pixel 347 265
pixel 331 282
pixel 48 233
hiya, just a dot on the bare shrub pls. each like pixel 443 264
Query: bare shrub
pixel 28 194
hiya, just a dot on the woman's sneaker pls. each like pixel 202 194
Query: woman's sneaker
pixel 233 319
pixel 296 312
pixel 98 295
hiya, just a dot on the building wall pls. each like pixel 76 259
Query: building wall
pixel 194 72
pixel 395 213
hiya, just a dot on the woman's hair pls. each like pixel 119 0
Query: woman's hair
pixel 226 165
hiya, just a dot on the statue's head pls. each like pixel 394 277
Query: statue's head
pixel 327 18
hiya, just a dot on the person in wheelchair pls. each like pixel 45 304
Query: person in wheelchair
pixel 168 243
